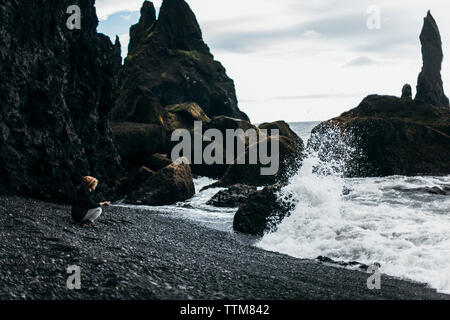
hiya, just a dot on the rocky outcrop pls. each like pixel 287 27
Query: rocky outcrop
pixel 429 85
pixel 133 179
pixel 289 161
pixel 56 92
pixel 183 116
pixel 407 91
pixel 232 197
pixel 388 136
pixel 263 211
pixel 139 31
pixel 169 63
pixel 136 141
pixel 168 186
pixel 284 130
pixel 222 124
pixel 157 161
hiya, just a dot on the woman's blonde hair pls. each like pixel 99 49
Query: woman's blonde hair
pixel 90 181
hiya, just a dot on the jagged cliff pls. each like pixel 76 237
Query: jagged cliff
pixel 169 63
pixel 56 92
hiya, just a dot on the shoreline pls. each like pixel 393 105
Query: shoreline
pixel 137 254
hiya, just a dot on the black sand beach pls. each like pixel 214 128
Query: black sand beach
pixel 134 254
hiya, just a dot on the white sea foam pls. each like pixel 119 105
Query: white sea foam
pixel 369 220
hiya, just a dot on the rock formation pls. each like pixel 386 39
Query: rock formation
pixel 233 197
pixel 168 186
pixel 388 136
pixel 183 116
pixel 133 179
pixel 284 130
pixel 290 160
pixel 407 91
pixel 56 92
pixel 169 63
pixel 138 141
pixel 429 85
pixel 263 211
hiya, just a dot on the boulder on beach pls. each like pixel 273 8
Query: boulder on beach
pixel 290 155
pixel 168 186
pixel 169 63
pixel 133 179
pixel 284 130
pixel 263 211
pixel 135 141
pixel 222 124
pixel 288 161
pixel 232 197
pixel 156 161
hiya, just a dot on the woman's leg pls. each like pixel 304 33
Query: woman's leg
pixel 92 215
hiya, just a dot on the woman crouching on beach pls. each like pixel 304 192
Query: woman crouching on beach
pixel 85 210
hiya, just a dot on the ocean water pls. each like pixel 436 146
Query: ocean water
pixel 369 220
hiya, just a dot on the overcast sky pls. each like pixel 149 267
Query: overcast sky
pixel 303 60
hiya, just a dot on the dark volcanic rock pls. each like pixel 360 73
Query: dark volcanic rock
pixel 291 147
pixel 284 129
pixel 232 197
pixel 429 85
pixel 168 186
pixel 56 92
pixel 263 211
pixel 157 161
pixel 170 64
pixel 136 141
pixel 221 123
pixel 441 191
pixel 134 179
pixel 183 116
pixel 344 264
pixel 391 136
pixel 139 31
pixel 407 91
pixel 290 160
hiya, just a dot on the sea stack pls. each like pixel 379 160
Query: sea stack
pixel 169 63
pixel 429 85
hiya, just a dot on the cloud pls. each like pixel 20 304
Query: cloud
pixel 300 97
pixel 105 8
pixel 360 61
pixel 126 17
